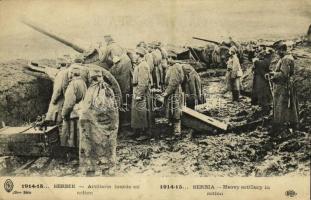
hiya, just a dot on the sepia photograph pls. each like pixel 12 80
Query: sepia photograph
pixel 172 90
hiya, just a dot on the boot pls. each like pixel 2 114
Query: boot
pixel 235 95
pixel 177 127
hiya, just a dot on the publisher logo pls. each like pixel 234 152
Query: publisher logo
pixel 8 185
pixel 290 193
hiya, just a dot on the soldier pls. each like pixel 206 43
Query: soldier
pixel 74 94
pixel 61 82
pixel 234 73
pixel 216 56
pixel 191 86
pixel 157 72
pixel 98 125
pixel 141 112
pixel 120 65
pixel 149 59
pixel 261 94
pixel 309 35
pixel 238 47
pixel 164 61
pixel 173 96
pixel 285 104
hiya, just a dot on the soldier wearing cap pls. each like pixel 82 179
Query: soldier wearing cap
pixel 74 94
pixel 234 73
pixel 141 112
pixel 173 96
pixel 261 93
pixel 238 50
pixel 120 66
pixel 285 103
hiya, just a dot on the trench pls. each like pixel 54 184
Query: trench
pixel 23 96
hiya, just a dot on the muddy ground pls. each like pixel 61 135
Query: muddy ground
pixel 247 152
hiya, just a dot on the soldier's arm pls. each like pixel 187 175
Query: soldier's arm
pixel 70 101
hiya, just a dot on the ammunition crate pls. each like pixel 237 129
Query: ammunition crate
pixel 28 141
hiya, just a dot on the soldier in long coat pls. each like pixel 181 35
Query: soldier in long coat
pixel 149 59
pixel 120 66
pixel 216 56
pixel 164 62
pixel 261 94
pixel 173 96
pixel 141 112
pixel 157 72
pixel 233 75
pixel 61 82
pixel 98 126
pixel 192 86
pixel 74 94
pixel 285 103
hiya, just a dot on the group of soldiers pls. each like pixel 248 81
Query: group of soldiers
pixel 85 98
pixel 275 85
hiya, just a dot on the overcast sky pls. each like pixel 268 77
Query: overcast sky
pixel 86 22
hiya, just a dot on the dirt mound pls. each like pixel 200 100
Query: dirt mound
pixel 23 95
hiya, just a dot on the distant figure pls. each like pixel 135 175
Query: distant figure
pixel 239 49
pixel 141 112
pixel 75 92
pixel 216 60
pixel 309 34
pixel 173 96
pixel 285 103
pixel 261 94
pixel 233 75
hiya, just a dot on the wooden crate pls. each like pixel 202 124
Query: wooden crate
pixel 28 141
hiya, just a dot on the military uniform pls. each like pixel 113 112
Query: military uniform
pixel 216 56
pixel 234 73
pixel 173 96
pixel 141 112
pixel 61 82
pixel 285 103
pixel 149 60
pixel 120 66
pixel 157 72
pixel 192 86
pixel 74 94
pixel 261 94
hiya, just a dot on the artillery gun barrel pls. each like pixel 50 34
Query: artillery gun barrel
pixel 205 40
pixel 55 37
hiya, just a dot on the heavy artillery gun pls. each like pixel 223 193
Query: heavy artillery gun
pixel 89 57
